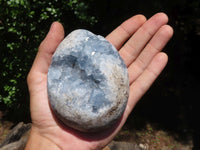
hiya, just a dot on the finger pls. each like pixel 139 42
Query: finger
pixel 143 83
pixel 125 30
pixel 47 48
pixel 137 42
pixel 156 44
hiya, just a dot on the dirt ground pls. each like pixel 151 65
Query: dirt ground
pixel 5 127
pixel 148 138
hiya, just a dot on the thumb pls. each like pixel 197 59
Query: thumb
pixel 48 47
pixel 43 58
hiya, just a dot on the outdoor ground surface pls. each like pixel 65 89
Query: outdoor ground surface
pixel 5 127
pixel 148 138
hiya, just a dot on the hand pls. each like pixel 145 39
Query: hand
pixel 141 53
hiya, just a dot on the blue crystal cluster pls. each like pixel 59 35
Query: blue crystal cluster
pixel 88 82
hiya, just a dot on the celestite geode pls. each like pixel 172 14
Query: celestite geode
pixel 88 84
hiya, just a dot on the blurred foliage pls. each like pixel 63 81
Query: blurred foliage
pixel 23 25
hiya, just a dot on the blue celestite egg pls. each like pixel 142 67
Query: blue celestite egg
pixel 88 84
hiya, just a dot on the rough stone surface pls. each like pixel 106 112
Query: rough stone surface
pixel 88 84
pixel 16 133
pixel 17 138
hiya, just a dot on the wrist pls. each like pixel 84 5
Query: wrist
pixel 39 142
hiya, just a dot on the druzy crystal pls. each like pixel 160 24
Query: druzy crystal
pixel 88 82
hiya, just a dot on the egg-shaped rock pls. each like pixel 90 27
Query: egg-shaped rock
pixel 88 84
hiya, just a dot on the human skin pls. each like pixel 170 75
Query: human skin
pixel 139 42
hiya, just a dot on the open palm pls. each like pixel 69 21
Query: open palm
pixel 139 42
